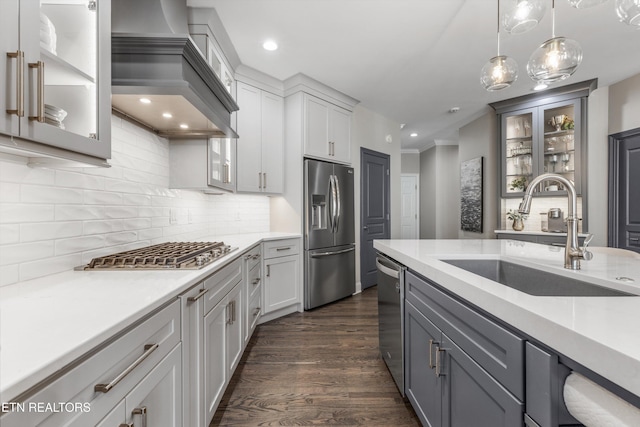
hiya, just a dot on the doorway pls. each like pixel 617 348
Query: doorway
pixel 410 206
pixel 624 191
pixel 375 205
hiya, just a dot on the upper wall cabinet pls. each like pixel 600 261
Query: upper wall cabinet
pixel 544 135
pixel 327 130
pixel 261 141
pixel 55 66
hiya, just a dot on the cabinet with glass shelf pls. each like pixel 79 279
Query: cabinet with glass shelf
pixel 57 71
pixel 542 136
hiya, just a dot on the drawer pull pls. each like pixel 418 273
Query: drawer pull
pixel 288 248
pixel 39 66
pixel 197 297
pixel 148 349
pixel 143 412
pixel 256 312
pixel 256 256
pixel 439 361
pixel 256 281
pixel 126 425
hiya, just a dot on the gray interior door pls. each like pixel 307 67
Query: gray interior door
pixel 374 210
pixel 624 191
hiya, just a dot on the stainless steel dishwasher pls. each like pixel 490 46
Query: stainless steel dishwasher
pixel 391 316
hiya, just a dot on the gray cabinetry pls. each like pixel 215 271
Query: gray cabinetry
pixel 544 133
pixel 461 368
pixel 203 164
pixel 56 57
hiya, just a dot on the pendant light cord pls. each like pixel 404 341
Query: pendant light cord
pixel 498 27
pixel 553 19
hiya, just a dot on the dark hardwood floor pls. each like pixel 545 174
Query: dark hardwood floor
pixel 320 367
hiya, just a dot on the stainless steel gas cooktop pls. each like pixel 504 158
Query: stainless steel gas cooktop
pixel 174 255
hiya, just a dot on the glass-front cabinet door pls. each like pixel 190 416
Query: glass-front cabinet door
pixel 519 149
pixel 60 73
pixel 221 163
pixel 543 139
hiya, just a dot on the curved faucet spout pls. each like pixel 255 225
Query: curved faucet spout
pixel 572 252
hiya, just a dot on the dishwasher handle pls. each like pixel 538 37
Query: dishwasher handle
pixel 387 270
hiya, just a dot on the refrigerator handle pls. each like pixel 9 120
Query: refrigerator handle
pixel 338 203
pixel 334 202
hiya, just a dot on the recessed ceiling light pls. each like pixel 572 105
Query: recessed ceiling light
pixel 541 86
pixel 167 115
pixel 145 100
pixel 270 45
pixel 413 135
pixel 184 126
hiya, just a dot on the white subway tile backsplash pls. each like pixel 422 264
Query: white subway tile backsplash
pixel 44 194
pixel 9 233
pixel 79 244
pixel 9 192
pixel 54 220
pixel 49 230
pixel 23 252
pixel 19 213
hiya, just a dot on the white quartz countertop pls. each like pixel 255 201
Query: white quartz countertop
pixel 47 323
pixel 537 233
pixel 600 333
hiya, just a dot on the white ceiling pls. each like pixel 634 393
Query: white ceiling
pixel 413 60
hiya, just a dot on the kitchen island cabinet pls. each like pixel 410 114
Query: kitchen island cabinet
pixel 574 333
pixel 58 57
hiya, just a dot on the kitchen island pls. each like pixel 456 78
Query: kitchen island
pixel 597 333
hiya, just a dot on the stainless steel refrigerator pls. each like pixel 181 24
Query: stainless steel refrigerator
pixel 329 237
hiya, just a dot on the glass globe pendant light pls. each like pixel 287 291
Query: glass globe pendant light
pixel 501 71
pixel 629 11
pixel 523 15
pixel 556 59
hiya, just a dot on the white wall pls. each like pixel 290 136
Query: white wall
pixel 480 139
pixel 410 163
pixel 55 220
pixel 624 105
pixel 440 192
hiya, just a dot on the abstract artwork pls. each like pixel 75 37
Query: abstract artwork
pixel 471 195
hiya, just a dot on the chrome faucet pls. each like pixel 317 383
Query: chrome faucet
pixel 572 251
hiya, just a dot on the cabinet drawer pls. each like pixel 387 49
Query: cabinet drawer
pixel 255 279
pixel 280 248
pixel 497 350
pixel 129 353
pixel 220 283
pixel 252 257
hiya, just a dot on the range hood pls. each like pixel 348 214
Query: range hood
pixel 159 78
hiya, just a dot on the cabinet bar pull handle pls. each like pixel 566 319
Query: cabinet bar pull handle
pixel 268 270
pixel 141 411
pixel 256 312
pixel 256 281
pixel 19 56
pixel 126 425
pixel 283 249
pixel 431 343
pixel 256 256
pixel 225 173
pixel 40 111
pixel 259 179
pixel 197 297
pixel 439 362
pixel 233 311
pixel 148 349
pixel 265 180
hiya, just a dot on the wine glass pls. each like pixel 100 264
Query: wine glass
pixel 553 160
pixel 565 160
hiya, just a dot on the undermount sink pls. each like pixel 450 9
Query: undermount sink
pixel 533 281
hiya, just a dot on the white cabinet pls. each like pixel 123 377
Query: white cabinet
pixel 205 165
pixel 56 56
pixel 112 374
pixel 261 142
pixel 327 130
pixel 213 336
pixel 281 274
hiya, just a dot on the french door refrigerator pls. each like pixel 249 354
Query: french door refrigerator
pixel 329 237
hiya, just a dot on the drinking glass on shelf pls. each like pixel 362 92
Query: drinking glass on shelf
pixel 553 160
pixel 565 160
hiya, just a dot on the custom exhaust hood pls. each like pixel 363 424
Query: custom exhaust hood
pixel 159 77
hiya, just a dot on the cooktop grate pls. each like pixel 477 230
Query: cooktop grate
pixel 186 255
